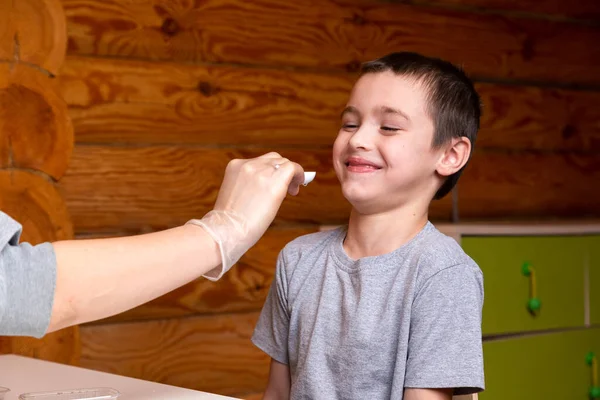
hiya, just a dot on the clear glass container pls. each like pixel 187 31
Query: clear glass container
pixel 74 394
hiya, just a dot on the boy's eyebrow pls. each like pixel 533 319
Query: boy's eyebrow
pixel 383 109
pixel 390 110
pixel 349 110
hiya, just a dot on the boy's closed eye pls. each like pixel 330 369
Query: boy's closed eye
pixel 393 124
pixel 386 128
pixel 349 125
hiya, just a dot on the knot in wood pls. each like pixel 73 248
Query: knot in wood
pixel 170 27
pixel 358 19
pixel 207 89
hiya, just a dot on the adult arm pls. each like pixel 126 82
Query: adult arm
pixel 102 277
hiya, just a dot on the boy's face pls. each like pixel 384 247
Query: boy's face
pixel 383 153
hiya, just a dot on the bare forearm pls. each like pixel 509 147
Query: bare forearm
pixel 102 277
pixel 278 387
pixel 99 278
pixel 427 394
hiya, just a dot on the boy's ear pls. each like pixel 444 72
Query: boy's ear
pixel 455 156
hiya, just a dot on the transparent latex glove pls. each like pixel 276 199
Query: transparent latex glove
pixel 249 198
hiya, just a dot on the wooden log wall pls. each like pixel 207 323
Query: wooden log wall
pixel 36 142
pixel 162 94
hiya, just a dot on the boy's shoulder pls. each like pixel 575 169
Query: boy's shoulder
pixel 299 256
pixel 311 242
pixel 438 251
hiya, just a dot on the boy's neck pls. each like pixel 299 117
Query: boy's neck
pixel 378 234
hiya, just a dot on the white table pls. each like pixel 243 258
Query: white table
pixel 25 375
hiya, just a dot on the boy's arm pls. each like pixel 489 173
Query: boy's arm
pixel 278 387
pixel 272 333
pixel 427 394
pixel 445 346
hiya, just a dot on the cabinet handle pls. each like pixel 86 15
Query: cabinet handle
pixel 534 303
pixel 590 360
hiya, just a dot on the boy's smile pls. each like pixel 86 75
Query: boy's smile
pixel 361 165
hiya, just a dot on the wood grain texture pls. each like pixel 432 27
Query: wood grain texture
pixel 114 188
pixel 36 204
pixel 35 129
pixel 115 101
pixel 330 35
pixel 61 346
pixel 146 188
pixel 530 186
pixel 243 288
pixel 531 118
pixel 8 30
pixel 42 33
pixel 139 102
pixel 34 32
pixel 212 354
pixel 586 10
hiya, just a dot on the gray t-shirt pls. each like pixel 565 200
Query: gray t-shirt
pixel 27 281
pixel 368 328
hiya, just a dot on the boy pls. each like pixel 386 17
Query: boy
pixel 387 307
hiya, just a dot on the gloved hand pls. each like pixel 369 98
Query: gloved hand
pixel 248 200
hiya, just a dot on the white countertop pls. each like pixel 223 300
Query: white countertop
pixel 25 375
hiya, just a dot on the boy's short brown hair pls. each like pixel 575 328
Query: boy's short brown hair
pixel 454 105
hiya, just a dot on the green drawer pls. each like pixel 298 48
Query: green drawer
pixel 550 366
pixel 558 263
pixel 594 288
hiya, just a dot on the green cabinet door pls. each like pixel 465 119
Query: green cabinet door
pixel 594 281
pixel 544 367
pixel 558 265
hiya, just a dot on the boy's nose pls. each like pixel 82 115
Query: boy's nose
pixel 361 139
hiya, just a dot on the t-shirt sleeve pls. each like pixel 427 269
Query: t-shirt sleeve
pixel 27 282
pixel 272 330
pixel 445 345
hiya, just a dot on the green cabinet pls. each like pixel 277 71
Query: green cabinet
pixel 550 366
pixel 593 263
pixel 558 270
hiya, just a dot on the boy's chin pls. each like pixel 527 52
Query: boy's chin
pixel 362 203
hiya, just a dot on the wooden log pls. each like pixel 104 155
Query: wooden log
pixel 8 30
pixel 35 129
pixel 329 35
pixel 35 32
pixel 212 353
pixel 517 186
pixel 243 288
pixel 35 203
pixel 114 101
pixel 42 33
pixel 146 188
pixel 531 118
pixel 585 10
pixel 60 346
pixel 130 101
